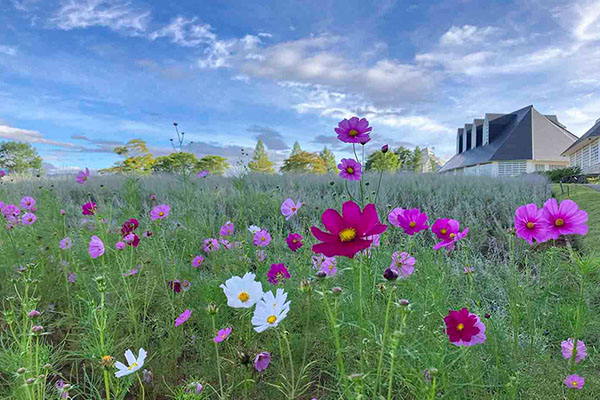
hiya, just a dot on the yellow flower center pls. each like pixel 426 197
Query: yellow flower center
pixel 350 170
pixel 132 366
pixel 106 358
pixel 530 225
pixel 347 234
pixel 331 267
pixel 574 383
pixel 353 132
pixel 293 209
pixel 244 296
pixel 294 241
pixel 443 231
pixel 559 222
pixel 271 319
pixel 161 213
pixel 262 238
pixel 460 326
pixel 412 224
pixel 452 235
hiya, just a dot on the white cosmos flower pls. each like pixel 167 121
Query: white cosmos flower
pixel 253 229
pixel 270 311
pixel 242 292
pixel 134 364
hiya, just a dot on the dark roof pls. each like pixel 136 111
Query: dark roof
pixel 591 133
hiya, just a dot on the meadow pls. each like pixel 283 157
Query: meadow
pixel 352 334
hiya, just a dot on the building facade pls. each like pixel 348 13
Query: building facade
pixel 585 152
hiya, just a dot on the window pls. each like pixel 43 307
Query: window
pixel 486 132
pixel 540 167
pixel 572 160
pixel 512 168
pixel 594 156
pixel 578 158
pixel 585 157
pixel 485 169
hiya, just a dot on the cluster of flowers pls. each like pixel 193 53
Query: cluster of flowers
pixel 576 354
pixel 12 213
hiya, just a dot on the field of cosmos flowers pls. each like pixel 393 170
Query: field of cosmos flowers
pixel 354 286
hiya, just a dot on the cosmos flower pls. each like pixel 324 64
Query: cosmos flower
pixel 262 361
pixel 222 335
pixel 96 247
pixel 66 243
pixel 183 317
pixel 261 255
pixel 197 261
pixel 129 226
pixel 319 260
pixel 468 270
pixel 529 224
pixel 262 238
pixel 277 274
pixel 72 278
pixel 448 230
pixel 347 232
pixel 186 285
pixel 350 169
pixel 120 245
pixel 464 328
pixel 11 210
pixel 28 203
pixel 227 229
pixel 175 285
pixel 411 221
pixel 574 381
pixel 253 229
pixel 354 130
pixel 567 350
pixel 131 272
pixel 62 212
pixel 132 239
pixel 203 174
pixel 89 208
pixel 160 212
pixel 242 292
pixel 294 241
pixel 270 310
pixel 82 176
pixel 194 387
pixel 134 364
pixel 403 264
pixel 289 208
pixel 209 245
pixel 28 218
pixel 225 243
pixel 564 219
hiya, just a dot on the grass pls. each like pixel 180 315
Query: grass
pixel 589 200
pixel 356 342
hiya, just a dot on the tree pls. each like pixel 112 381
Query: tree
pixel 137 158
pixel 260 160
pixel 304 162
pixel 404 157
pixel 216 165
pixel 382 162
pixel 296 149
pixel 329 160
pixel 19 157
pixel 417 160
pixel 180 162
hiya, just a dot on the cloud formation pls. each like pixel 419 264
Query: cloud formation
pixel 272 139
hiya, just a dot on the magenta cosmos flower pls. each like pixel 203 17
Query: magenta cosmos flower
pixel 175 285
pixel 354 130
pixel 262 238
pixel 350 169
pixel 448 230
pixel 464 328
pixel 96 247
pixel 132 239
pixel 66 243
pixel 120 245
pixel 2 173
pixel 347 232
pixel 89 208
pixel 160 212
pixel 262 361
pixel 28 218
pixel 28 202
pixel 529 224
pixel 564 219
pixel 203 174
pixel 227 229
pixel 129 226
pixel 82 176
pixel 222 335
pixel 403 264
pixel 209 245
pixel 567 350
pixel 278 273
pixel 574 381
pixel 183 317
pixel 289 208
pixel 294 241
pixel 197 261
pixel 411 221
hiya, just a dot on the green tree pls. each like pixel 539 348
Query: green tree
pixel 417 160
pixel 260 160
pixel 216 165
pixel 380 161
pixel 180 162
pixel 304 162
pixel 296 149
pixel 137 158
pixel 404 157
pixel 329 160
pixel 19 157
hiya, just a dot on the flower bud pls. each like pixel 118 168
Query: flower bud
pixel 390 274
pixel 107 361
pixel 321 274
pixel 212 308
pixel 404 302
pixel 48 366
pixel 30 381
pixel 336 290
pixel 305 286
pixel 33 314
pixel 21 370
pixel 147 376
pixel 37 329
pixel 385 148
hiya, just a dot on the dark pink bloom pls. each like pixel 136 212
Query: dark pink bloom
pixel 82 176
pixel 411 221
pixel 2 173
pixel 222 335
pixel 160 212
pixel 89 208
pixel 350 169
pixel 277 274
pixel 448 230
pixel 183 317
pixel 564 219
pixel 210 245
pixel 347 232
pixel 354 130
pixel 175 285
pixel 262 361
pixel 574 381
pixel 132 239
pixel 129 226
pixel 464 328
pixel 529 224
pixel 294 241
pixel 567 348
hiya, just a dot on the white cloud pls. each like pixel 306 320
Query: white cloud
pixel 466 34
pixel 581 18
pixel 8 50
pixel 186 32
pixel 24 135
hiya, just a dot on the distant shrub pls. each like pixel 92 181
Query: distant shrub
pixel 558 175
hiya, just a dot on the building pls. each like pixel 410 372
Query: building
pixel 585 152
pixel 429 161
pixel 520 142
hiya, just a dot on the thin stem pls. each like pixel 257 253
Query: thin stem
pixel 287 342
pixel 336 338
pixel 141 386
pixel 378 186
pixel 384 338
pixel 218 360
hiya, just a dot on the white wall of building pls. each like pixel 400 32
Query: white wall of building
pixel 587 158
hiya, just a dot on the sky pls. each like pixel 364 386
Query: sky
pixel 79 77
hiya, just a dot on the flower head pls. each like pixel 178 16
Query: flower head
pixel 277 274
pixel 82 176
pixel 262 238
pixel 209 245
pixel 448 230
pixel 160 212
pixel 253 229
pixel 132 239
pixel 242 292
pixel 222 335
pixel 289 208
pixel 186 285
pixel 175 285
pixel 202 174
pixel 354 130
pixel 72 278
pixel 225 243
pixel 227 229
pixel 529 224
pixel 194 387
pixel 464 328
pixel 134 364
pixel 350 169
pixel 66 243
pixel 411 221
pixel 27 202
pixel 567 350
pixel 28 218
pixel 89 208
pixel 11 210
pixel 403 264
pixel 294 241
pixel 347 232
pixel 270 310
pixel 564 219
pixel 574 381
pixel 96 247
pixel 2 173
pixel 262 361
pixel 132 272
pixel 129 226
pixel 183 317
pixel 120 245
pixel 197 261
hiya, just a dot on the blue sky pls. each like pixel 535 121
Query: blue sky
pixel 80 77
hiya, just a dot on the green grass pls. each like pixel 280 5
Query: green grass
pixel 589 200
pixel 534 297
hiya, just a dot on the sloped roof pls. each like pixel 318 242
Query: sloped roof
pixel 593 132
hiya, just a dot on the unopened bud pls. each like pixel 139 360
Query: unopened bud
pixel 321 274
pixel 37 329
pixel 390 274
pixel 33 314
pixel 212 308
pixel 305 286
pixel 21 370
pixel 30 381
pixel 385 148
pixel 336 290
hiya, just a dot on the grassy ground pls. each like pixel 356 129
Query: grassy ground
pixel 589 200
pixel 530 299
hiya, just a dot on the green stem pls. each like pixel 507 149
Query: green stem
pixel 384 338
pixel 336 338
pixel 106 384
pixel 214 325
pixel 287 342
pixel 141 386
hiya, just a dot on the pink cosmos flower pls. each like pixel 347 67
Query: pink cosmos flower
pixel 11 210
pixel 262 361
pixel 403 264
pixel 132 239
pixel 350 169
pixel 261 255
pixel 89 208
pixel 294 241
pixel 28 218
pixel 529 224
pixel 2 173
pixel 354 130
pixel 132 272
pixel 27 202
pixel 160 212
pixel 202 174
pixel 347 232
pixel 186 285
pixel 129 226
pixel 183 317
pixel 82 176
pixel 62 212
pixel 222 335
pixel 225 243
pixel 262 238
pixel 96 247
pixel 411 221
pixel 210 245
pixel 227 229
pixel 197 261
pixel 319 260
pixel 330 268
pixel 289 208
pixel 72 277
pixel 464 328
pixel 120 245
pixel 574 381
pixel 66 243
pixel 194 387
pixel 448 230
pixel 567 350
pixel 278 273
pixel 564 219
